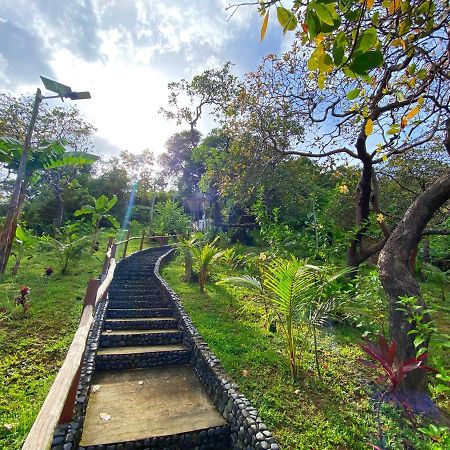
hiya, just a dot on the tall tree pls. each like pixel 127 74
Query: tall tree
pixel 52 125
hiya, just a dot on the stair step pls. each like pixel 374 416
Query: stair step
pixel 135 349
pixel 126 332
pixel 140 323
pixel 141 356
pixel 138 312
pixel 158 402
pixel 136 304
pixel 141 337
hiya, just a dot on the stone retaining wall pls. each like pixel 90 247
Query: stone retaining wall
pixel 248 431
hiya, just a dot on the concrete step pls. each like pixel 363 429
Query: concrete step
pixel 140 337
pixel 141 356
pixel 162 407
pixel 138 312
pixel 140 323
pixel 135 304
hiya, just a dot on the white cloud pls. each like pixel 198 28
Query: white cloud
pixel 125 52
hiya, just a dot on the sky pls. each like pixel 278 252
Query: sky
pixel 125 52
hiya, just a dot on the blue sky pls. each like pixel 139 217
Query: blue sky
pixel 125 52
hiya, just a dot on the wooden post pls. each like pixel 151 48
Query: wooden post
pixel 67 412
pixel 142 241
pixel 91 292
pixel 126 244
pixel 107 258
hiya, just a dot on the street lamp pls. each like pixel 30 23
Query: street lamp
pixel 12 214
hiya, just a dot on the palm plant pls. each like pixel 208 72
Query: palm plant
pixel 205 256
pixel 99 212
pixel 295 293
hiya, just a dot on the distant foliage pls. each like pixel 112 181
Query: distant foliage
pixel 170 218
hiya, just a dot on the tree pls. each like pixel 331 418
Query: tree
pixel 47 156
pixel 17 121
pixel 178 162
pixel 99 212
pixel 394 56
pixel 212 88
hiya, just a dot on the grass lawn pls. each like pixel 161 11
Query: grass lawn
pixel 33 344
pixel 338 413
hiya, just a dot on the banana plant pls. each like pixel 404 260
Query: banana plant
pixel 25 240
pixel 46 156
pixel 99 212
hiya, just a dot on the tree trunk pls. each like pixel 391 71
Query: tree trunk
pixel 187 266
pixel 357 251
pixel 18 195
pixel 398 282
pixel 59 206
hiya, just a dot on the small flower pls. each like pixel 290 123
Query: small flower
pixel 380 218
pixel 48 271
pixel 343 189
pixel 262 256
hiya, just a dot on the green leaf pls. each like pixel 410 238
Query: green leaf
pixel 324 15
pixel 440 388
pixel 111 202
pixel 286 18
pixel 353 94
pixel 313 23
pixel 367 40
pixel 87 209
pixel 394 129
pixel 21 234
pixel 101 202
pixel 364 62
pixel 114 222
pixel 339 45
pixel 419 340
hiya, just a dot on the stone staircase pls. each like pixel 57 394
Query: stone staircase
pixel 144 392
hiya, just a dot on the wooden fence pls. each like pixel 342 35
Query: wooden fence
pixel 59 404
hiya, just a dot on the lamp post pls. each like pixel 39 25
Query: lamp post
pixel 18 195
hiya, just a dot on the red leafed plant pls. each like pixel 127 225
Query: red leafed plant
pixel 22 299
pixel 384 354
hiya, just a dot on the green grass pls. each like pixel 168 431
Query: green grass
pixel 337 413
pixel 33 344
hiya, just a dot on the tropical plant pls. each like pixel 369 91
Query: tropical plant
pixel 23 299
pixel 204 257
pixel 67 244
pixel 25 240
pixel 326 301
pixel 294 292
pixel 170 218
pixel 186 246
pixel 384 356
pixel 99 212
pixel 48 155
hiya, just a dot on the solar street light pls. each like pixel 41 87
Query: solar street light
pixel 63 91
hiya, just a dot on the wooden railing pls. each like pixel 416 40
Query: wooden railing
pixel 60 401
pixel 59 404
